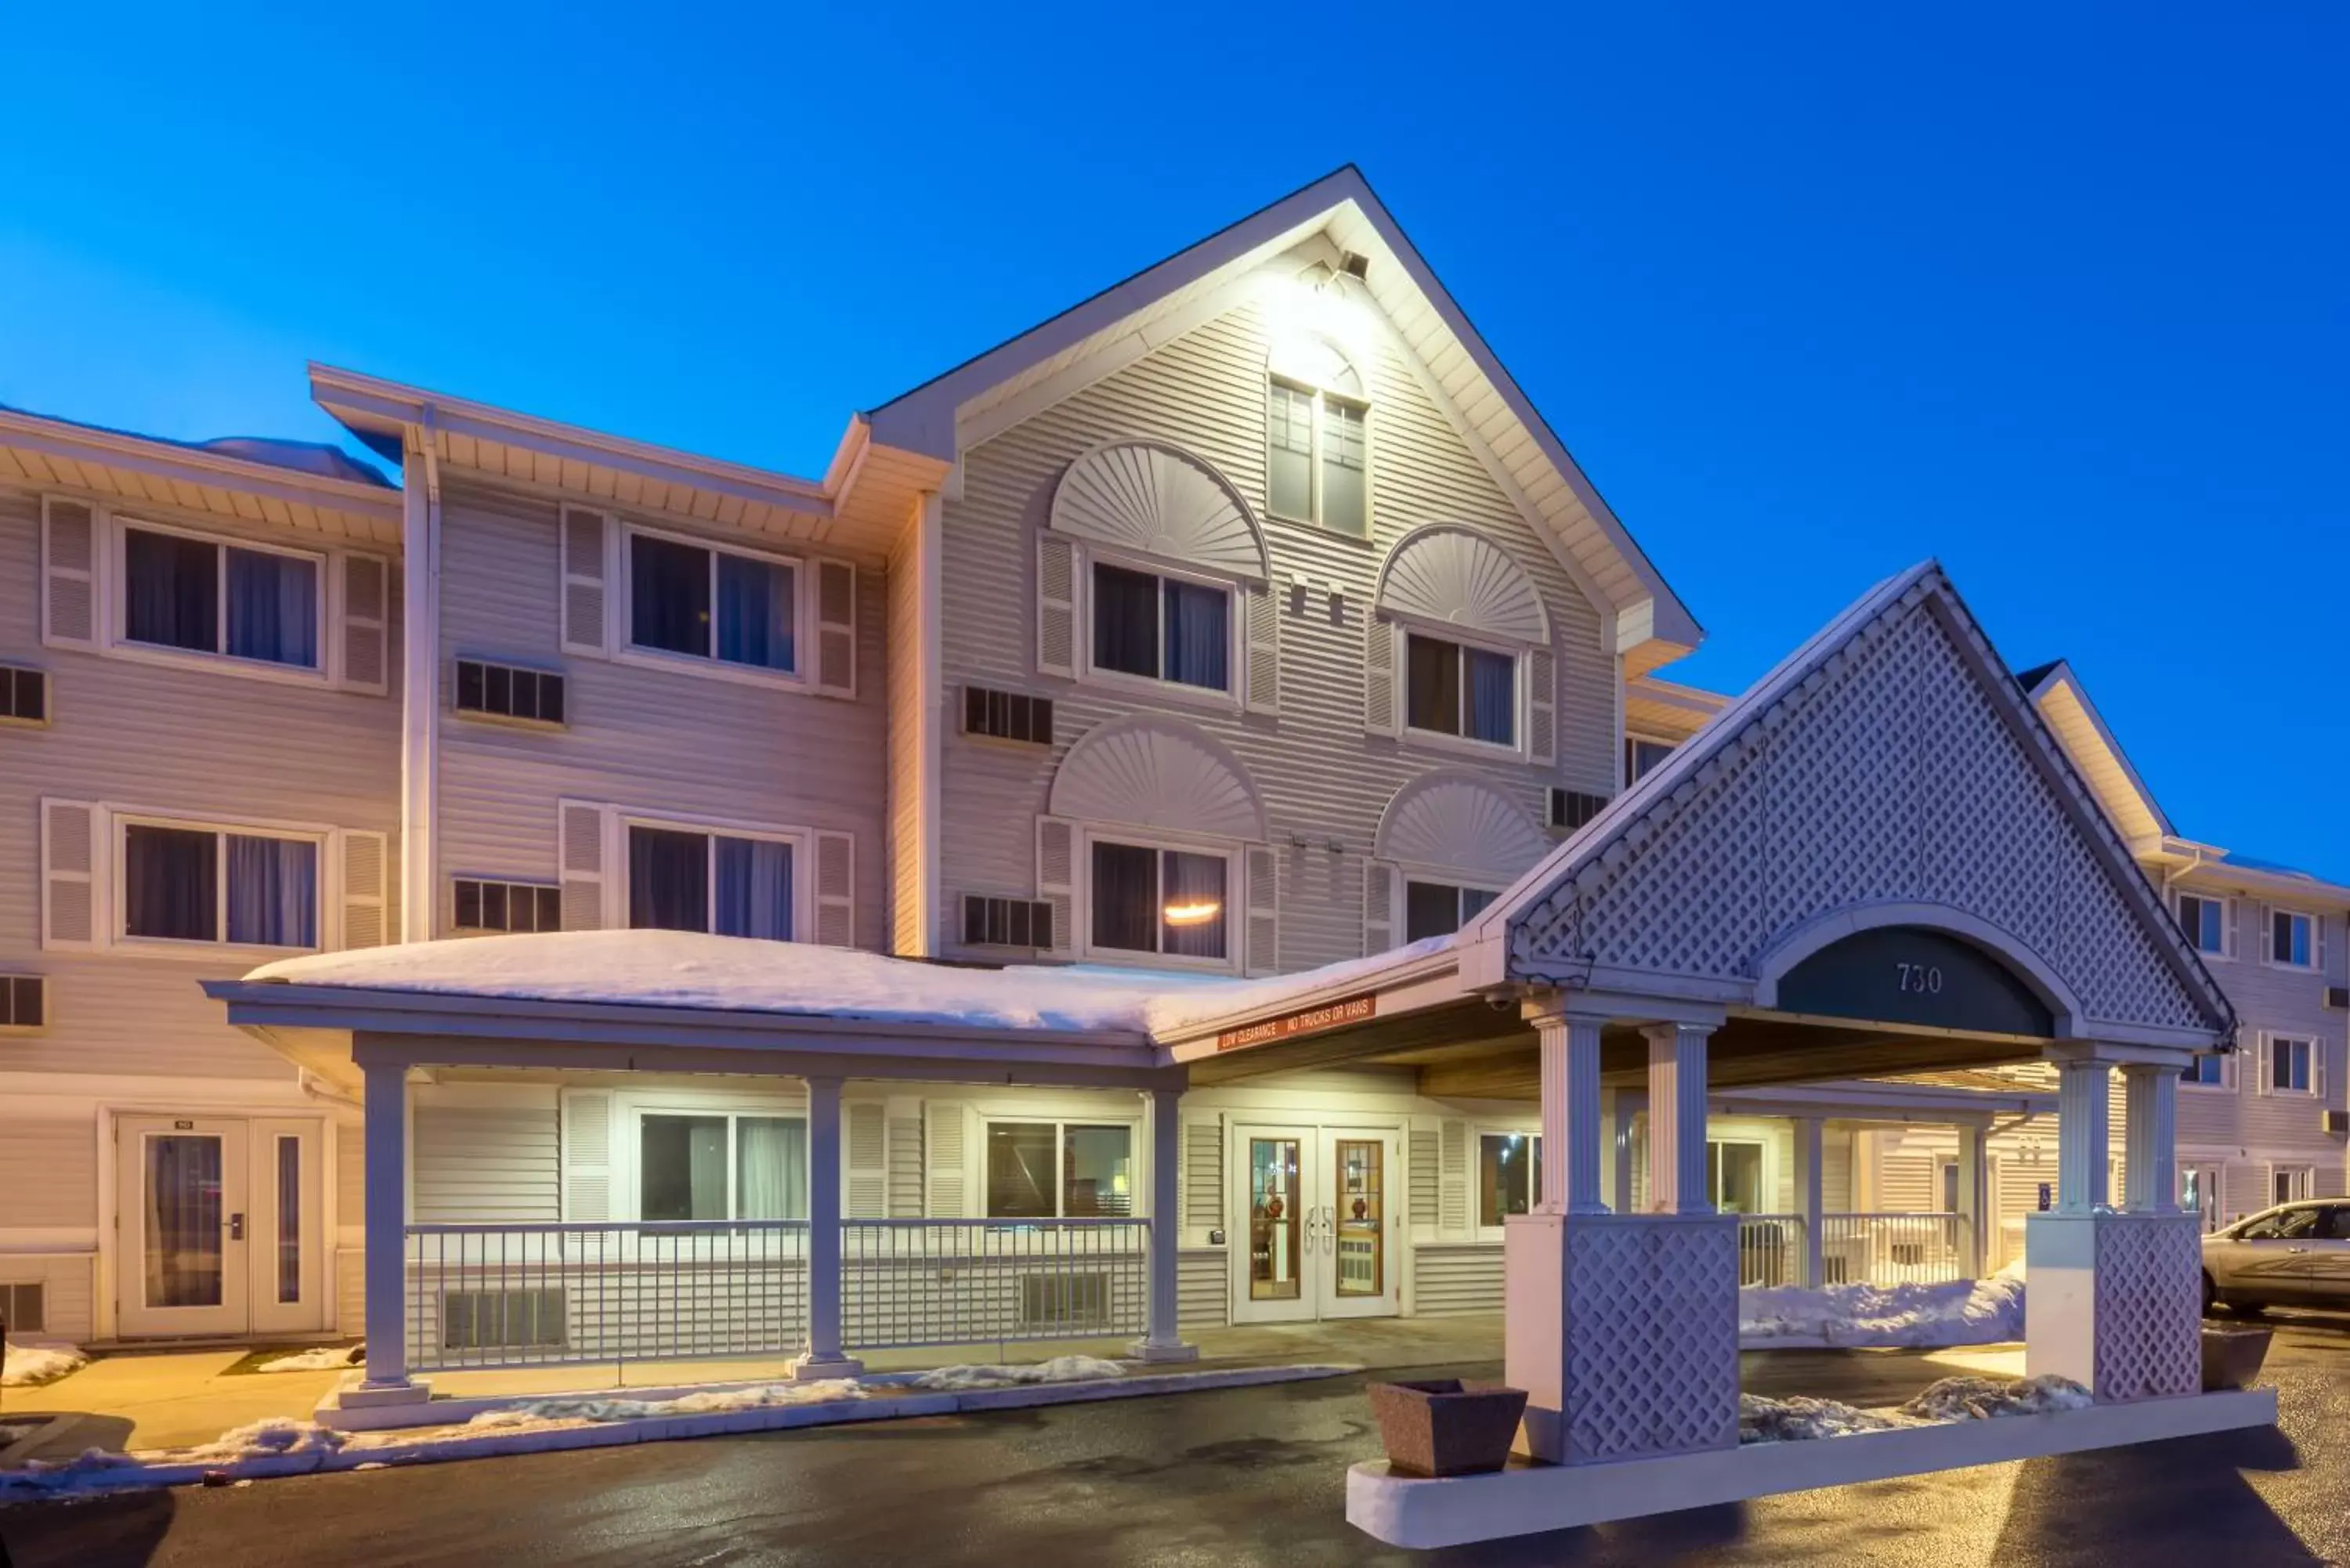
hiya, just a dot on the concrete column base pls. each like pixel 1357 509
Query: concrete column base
pixel 812 1369
pixel 1143 1350
pixel 374 1396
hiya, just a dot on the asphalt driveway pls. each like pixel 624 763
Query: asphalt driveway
pixel 1241 1477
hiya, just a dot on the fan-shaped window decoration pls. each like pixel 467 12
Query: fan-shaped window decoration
pixel 1318 436
pixel 1161 773
pixel 1452 575
pixel 1459 825
pixel 1459 646
pixel 1157 500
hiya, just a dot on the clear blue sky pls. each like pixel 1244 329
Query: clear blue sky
pixel 2057 294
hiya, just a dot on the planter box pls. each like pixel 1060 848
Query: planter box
pixel 1440 1428
pixel 2232 1356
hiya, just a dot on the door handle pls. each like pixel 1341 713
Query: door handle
pixel 236 1226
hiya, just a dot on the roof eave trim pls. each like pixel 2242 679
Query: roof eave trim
pixel 193 465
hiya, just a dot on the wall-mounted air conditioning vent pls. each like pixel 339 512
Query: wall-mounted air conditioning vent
pixel 24 1001
pixel 993 922
pixel 2337 996
pixel 24 1307
pixel 1571 809
pixel 2337 1121
pixel 24 695
pixel 502 1319
pixel 509 691
pixel 482 906
pixel 1007 716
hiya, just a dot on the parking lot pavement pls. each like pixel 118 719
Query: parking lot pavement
pixel 1231 1478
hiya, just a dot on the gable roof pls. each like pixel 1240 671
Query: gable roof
pixel 1638 819
pixel 1136 315
pixel 2064 702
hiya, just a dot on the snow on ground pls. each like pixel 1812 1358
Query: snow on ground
pixel 1976 1398
pixel 687 968
pixel 325 1358
pixel 29 1364
pixel 1059 1369
pixel 717 1401
pixel 1960 1312
pixel 1800 1418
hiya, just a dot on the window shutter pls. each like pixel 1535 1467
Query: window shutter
pixel 365 611
pixel 1421 1164
pixel 2263 1076
pixel 1056 605
pixel 68 572
pixel 836 890
pixel 835 628
pixel 2317 1068
pixel 1202 1192
pixel 72 841
pixel 1263 610
pixel 944 1129
pixel 865 1134
pixel 367 877
pixel 2228 913
pixel 1262 939
pixel 582 826
pixel 1056 880
pixel 2268 933
pixel 1379 675
pixel 905 1159
pixel 1452 1180
pixel 587 569
pixel 587 1132
pixel 1380 880
pixel 1541 706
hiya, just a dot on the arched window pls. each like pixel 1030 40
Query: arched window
pixel 1318 436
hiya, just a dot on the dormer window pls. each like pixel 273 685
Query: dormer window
pixel 1318 438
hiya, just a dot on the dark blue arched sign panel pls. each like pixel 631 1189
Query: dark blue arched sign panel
pixel 1912 974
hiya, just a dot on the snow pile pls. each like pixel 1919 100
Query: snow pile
pixel 687 968
pixel 325 1358
pixel 1800 1418
pixel 29 1364
pixel 1059 1369
pixel 1959 1311
pixel 1977 1399
pixel 271 1435
pixel 757 1396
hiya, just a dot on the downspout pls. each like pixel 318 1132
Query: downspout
pixel 420 756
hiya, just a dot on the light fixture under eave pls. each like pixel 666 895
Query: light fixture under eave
pixel 1191 914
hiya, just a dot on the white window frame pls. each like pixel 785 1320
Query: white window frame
pixel 327 891
pixel 801 839
pixel 1632 739
pixel 625 650
pixel 1766 1162
pixel 116 613
pixel 1477 1133
pixel 2226 1082
pixel 1138 1195
pixel 1452 879
pixel 1235 898
pixel 1322 398
pixel 1088 554
pixel 629 1108
pixel 1404 629
pixel 2272 913
pixel 2227 921
pixel 2309 1045
pixel 2304 1181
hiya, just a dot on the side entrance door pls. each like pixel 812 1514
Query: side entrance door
pixel 218 1226
pixel 1319 1222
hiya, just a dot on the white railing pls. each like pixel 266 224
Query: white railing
pixel 544 1295
pixel 1770 1250
pixel 973 1282
pixel 1893 1248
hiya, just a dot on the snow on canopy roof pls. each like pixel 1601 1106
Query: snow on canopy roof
pixel 687 968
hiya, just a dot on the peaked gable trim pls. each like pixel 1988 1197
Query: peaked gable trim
pixel 2057 683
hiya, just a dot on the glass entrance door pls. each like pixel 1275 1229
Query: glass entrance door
pixel 1319 1225
pixel 221 1229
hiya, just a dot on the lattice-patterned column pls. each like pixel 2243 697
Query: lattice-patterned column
pixel 1570 1109
pixel 1676 1118
pixel 2083 1135
pixel 2150 1159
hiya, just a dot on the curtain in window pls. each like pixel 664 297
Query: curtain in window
pixel 1431 909
pixel 669 880
pixel 290 1219
pixel 1432 685
pixel 681 1168
pixel 669 596
pixel 273 607
pixel 1194 883
pixel 755 613
pixel 1126 897
pixel 170 590
pixel 183 1203
pixel 170 885
pixel 755 890
pixel 1198 641
pixel 1493 696
pixel 770 1168
pixel 1126 620
pixel 273 891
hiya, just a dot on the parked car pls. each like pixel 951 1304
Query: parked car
pixel 2296 1254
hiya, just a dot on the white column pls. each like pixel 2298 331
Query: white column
pixel 1808 1191
pixel 1162 1341
pixel 2150 1159
pixel 1976 1214
pixel 1676 1118
pixel 1570 1112
pixel 2082 1135
pixel 419 689
pixel 824 1357
pixel 386 1209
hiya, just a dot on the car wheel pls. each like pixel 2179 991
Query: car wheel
pixel 2210 1294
